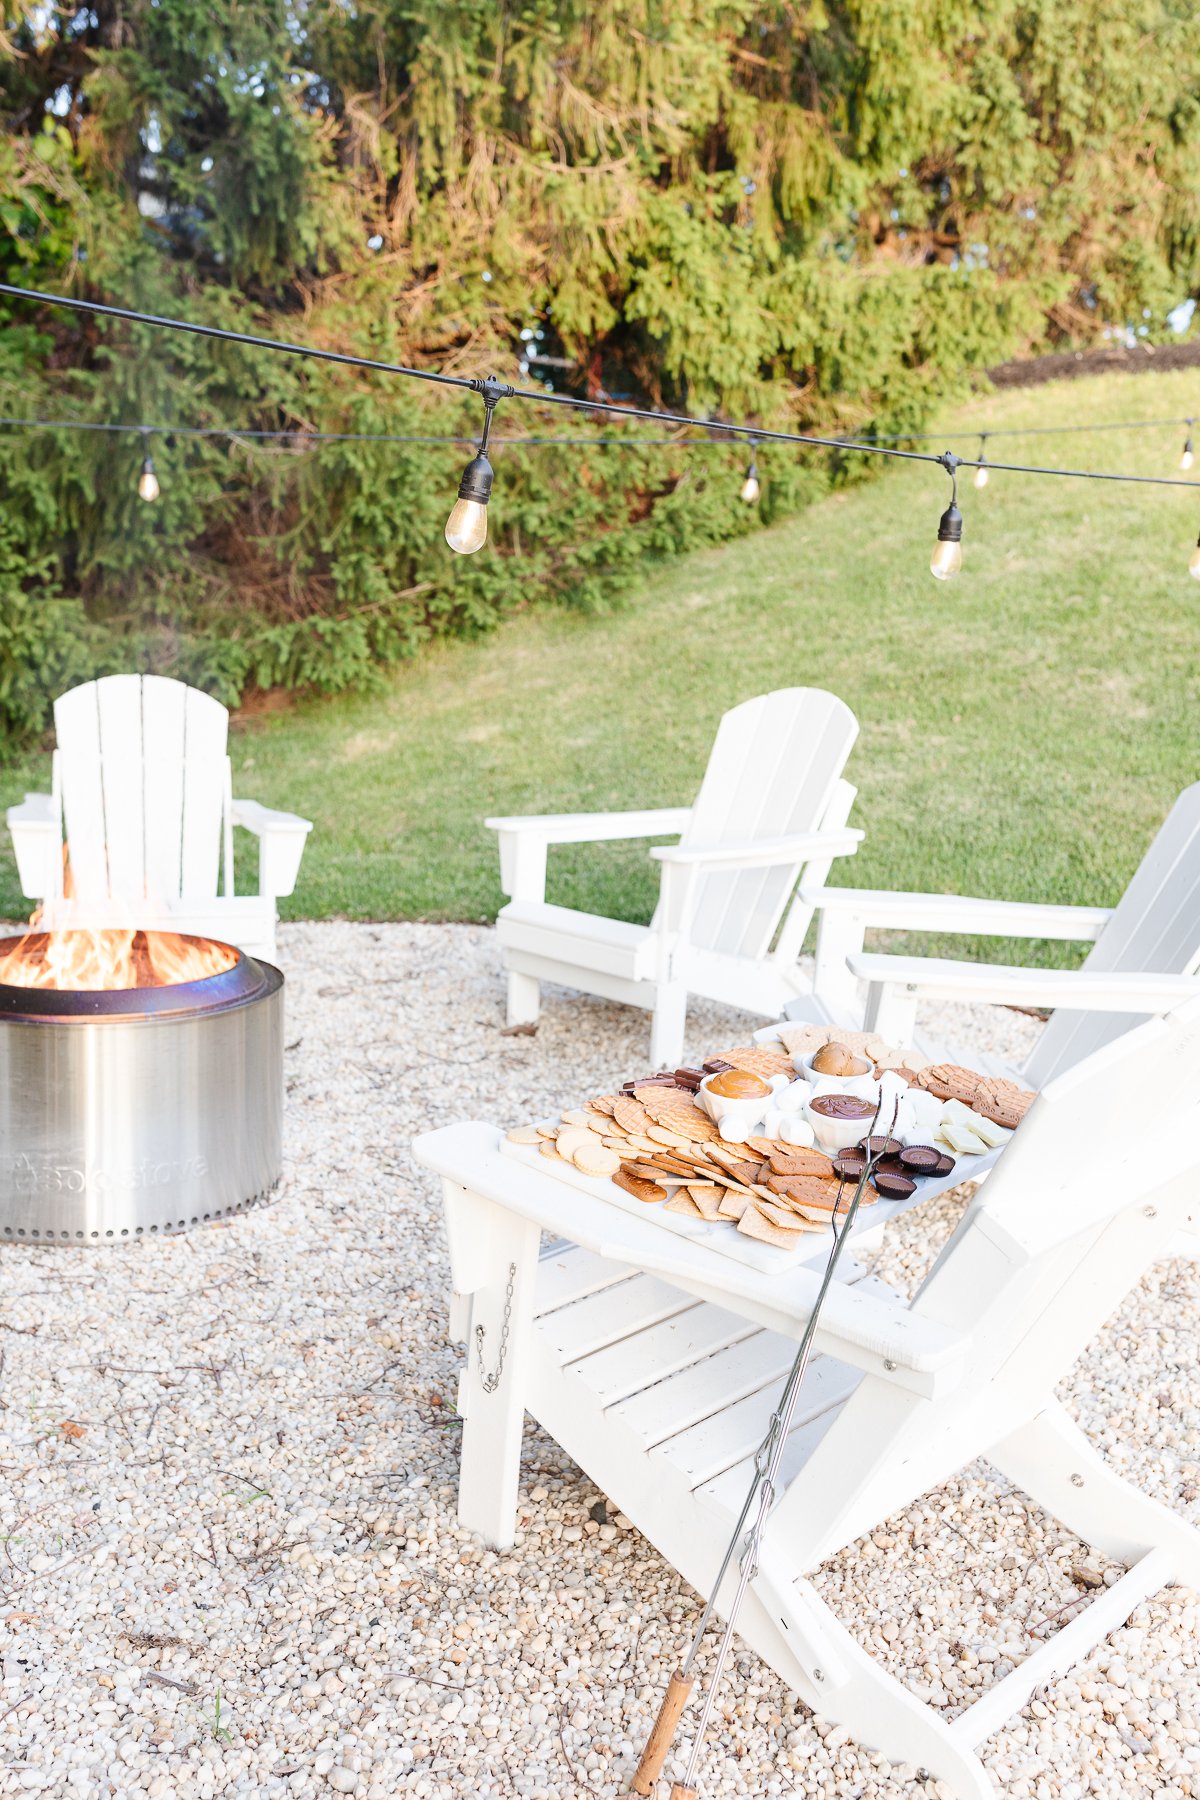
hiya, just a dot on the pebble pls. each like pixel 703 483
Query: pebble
pixel 264 1504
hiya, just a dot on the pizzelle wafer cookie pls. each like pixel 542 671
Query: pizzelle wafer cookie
pixel 631 1114
pixel 676 1111
pixel 758 1061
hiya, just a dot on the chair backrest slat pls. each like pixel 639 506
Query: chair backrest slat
pixel 1154 929
pixel 163 705
pixel 143 771
pixel 1096 1182
pixel 206 728
pixel 77 730
pixel 119 709
pixel 772 771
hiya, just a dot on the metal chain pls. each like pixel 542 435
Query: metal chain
pixel 492 1382
pixel 762 1491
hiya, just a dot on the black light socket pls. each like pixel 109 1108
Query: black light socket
pixel 950 526
pixel 476 483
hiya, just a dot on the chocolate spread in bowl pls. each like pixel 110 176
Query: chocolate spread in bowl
pixel 843 1106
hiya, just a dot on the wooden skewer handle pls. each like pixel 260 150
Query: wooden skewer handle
pixel 661 1738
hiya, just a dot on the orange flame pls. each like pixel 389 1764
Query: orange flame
pixel 93 960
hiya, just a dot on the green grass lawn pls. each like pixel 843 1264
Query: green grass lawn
pixel 1024 728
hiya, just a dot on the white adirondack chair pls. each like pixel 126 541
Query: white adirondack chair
pixel 142 801
pixel 772 804
pixel 657 1363
pixel 1146 955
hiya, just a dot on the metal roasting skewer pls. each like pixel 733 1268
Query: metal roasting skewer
pixel 762 1488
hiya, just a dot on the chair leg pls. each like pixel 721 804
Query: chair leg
pixel 891 1010
pixel 667 1024
pixel 524 999
pixel 841 1682
pixel 1052 1461
pixel 493 1258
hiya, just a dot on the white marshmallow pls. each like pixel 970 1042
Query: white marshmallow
pixel 793 1097
pixel 798 1131
pixel 734 1128
pixel 925 1108
pixel 865 1086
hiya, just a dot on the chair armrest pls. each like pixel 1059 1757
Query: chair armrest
pixel 1080 989
pixel 281 837
pixel 34 825
pixel 596 828
pixel 763 852
pixel 889 1341
pixel 525 841
pixel 959 913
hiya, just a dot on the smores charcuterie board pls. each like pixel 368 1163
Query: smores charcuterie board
pixel 755 1153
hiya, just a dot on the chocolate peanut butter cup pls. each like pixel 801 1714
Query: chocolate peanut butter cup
pixel 881 1146
pixel 893 1187
pixel 920 1159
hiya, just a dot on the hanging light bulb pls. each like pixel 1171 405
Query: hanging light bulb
pixel 981 472
pixel 946 560
pixel 1189 455
pixel 750 488
pixel 1194 564
pixel 147 487
pixel 466 528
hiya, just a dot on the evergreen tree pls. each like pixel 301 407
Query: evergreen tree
pixel 822 215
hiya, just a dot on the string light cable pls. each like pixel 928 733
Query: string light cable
pixel 754 434
pixel 916 437
pixel 303 435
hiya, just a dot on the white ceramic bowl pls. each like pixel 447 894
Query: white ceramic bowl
pixel 724 1106
pixel 835 1135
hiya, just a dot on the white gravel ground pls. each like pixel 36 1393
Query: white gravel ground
pixel 230 1563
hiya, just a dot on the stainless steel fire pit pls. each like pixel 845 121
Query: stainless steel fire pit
pixel 136 1111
